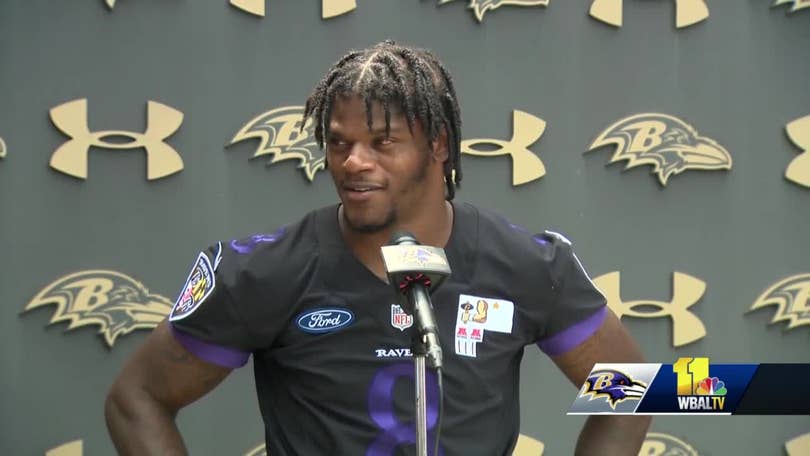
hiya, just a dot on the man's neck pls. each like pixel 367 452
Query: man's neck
pixel 433 227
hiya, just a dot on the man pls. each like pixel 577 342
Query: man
pixel 310 302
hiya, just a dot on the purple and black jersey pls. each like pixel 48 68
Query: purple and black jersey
pixel 330 346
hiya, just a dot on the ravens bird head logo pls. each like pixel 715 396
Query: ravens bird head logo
pixel 796 4
pixel 667 143
pixel 282 138
pixel 480 7
pixel 791 296
pixel 2 148
pixel 613 385
pixel 115 302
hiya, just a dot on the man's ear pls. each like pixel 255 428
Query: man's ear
pixel 439 148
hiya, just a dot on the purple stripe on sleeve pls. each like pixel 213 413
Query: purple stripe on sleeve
pixel 573 335
pixel 216 354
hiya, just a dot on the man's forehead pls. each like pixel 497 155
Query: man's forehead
pixel 353 108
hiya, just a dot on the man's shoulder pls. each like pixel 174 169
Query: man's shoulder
pixel 291 240
pixel 500 233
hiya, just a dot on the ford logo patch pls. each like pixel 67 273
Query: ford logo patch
pixel 324 320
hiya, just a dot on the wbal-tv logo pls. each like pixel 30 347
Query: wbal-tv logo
pixel 283 135
pixel 480 7
pixel 696 389
pixel 115 302
pixel 667 143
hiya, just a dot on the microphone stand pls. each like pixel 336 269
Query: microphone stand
pixel 419 350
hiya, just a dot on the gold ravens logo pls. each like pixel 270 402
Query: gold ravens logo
pixel 791 296
pixel 116 302
pixel 480 7
pixel 666 445
pixel 798 170
pixel 282 138
pixel 667 143
pixel 797 4
pixel 2 148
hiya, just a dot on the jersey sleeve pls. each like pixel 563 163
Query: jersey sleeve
pixel 578 308
pixel 206 318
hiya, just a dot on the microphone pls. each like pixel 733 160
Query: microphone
pixel 414 270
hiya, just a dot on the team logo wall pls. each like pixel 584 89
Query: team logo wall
pixel 614 388
pixel 329 8
pixel 798 171
pixel 161 122
pixel 2 148
pixel 525 446
pixel 796 4
pixel 666 143
pixel 791 296
pixel 400 319
pixel 115 302
pixel 686 292
pixel 281 138
pixel 526 130
pixel 660 444
pixel 798 446
pixel 477 315
pixel 480 7
pixel 687 12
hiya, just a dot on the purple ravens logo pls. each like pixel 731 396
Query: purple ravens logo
pixel 281 137
pixel 613 385
pixel 115 302
pixel 668 144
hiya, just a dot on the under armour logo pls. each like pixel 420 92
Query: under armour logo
pixel 2 148
pixel 686 291
pixel 161 122
pixel 687 12
pixel 329 8
pixel 526 130
pixel 798 171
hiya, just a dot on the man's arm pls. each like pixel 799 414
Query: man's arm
pixel 159 379
pixel 613 435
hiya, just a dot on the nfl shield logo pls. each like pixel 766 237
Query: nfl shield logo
pixel 399 319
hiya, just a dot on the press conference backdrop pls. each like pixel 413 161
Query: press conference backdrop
pixel 668 142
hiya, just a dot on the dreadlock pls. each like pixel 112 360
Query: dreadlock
pixel 414 80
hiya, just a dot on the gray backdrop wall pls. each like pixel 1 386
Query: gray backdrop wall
pixel 738 77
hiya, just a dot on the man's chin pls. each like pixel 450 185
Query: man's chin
pixel 368 226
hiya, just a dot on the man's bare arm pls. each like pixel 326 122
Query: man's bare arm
pixel 158 380
pixel 614 435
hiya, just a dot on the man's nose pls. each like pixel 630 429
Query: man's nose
pixel 360 158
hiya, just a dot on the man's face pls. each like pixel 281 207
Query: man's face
pixel 380 180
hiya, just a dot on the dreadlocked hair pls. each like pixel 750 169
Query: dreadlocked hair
pixel 396 76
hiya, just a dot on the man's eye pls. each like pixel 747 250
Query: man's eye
pixel 385 141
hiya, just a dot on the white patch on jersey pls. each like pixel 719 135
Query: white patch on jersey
pixel 475 316
pixel 199 285
pixel 400 319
